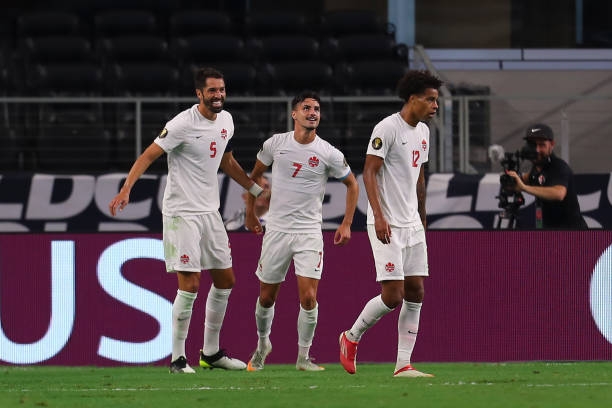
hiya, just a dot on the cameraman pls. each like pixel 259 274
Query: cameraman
pixel 551 181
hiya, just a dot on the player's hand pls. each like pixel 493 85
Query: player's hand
pixel 383 230
pixel 251 223
pixel 342 235
pixel 118 203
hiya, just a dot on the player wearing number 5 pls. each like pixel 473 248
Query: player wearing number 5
pixel 395 184
pixel 198 143
pixel 302 164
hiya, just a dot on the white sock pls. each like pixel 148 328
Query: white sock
pixel 181 317
pixel 407 330
pixel 371 313
pixel 263 318
pixel 306 325
pixel 216 304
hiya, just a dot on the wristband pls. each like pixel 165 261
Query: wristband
pixel 255 190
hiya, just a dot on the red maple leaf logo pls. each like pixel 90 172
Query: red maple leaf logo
pixel 184 258
pixel 224 133
pixel 313 161
pixel 389 267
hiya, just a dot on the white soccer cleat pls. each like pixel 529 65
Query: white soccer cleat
pixel 258 359
pixel 221 360
pixel 409 371
pixel 306 364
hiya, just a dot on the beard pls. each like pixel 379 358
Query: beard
pixel 541 159
pixel 216 109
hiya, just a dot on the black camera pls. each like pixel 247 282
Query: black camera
pixel 510 200
pixel 512 161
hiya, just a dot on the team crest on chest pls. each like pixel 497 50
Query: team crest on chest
pixel 224 133
pixel 313 161
pixel 424 144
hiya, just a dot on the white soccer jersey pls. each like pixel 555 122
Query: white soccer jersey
pixel 195 146
pixel 403 149
pixel 299 176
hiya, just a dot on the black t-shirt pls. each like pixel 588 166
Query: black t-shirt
pixel 558 214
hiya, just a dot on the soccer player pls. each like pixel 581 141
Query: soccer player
pixel 302 164
pixel 394 180
pixel 198 143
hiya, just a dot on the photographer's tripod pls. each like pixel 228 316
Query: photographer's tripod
pixel 510 205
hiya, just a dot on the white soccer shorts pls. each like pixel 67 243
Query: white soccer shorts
pixel 196 242
pixel 279 248
pixel 405 255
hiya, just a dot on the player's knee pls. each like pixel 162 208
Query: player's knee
pixel 266 301
pixel 188 282
pixel 414 294
pixel 224 280
pixel 308 302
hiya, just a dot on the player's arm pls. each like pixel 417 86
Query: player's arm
pixel 370 170
pixel 141 164
pixel 230 166
pixel 421 193
pixel 251 221
pixel 343 233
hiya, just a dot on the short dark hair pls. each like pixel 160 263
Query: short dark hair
pixel 200 76
pixel 416 82
pixel 304 95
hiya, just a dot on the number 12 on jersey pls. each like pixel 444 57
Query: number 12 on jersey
pixel 415 158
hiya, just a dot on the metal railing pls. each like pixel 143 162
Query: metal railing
pixel 466 126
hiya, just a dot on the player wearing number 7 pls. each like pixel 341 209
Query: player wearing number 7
pixel 302 164
pixel 395 184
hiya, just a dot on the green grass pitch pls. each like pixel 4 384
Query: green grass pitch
pixel 530 384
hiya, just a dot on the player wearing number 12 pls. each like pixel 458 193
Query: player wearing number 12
pixel 394 180
pixel 302 164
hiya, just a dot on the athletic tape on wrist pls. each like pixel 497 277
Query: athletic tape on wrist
pixel 255 190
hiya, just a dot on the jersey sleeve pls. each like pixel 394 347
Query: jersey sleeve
pixel 425 144
pixel 266 153
pixel 171 136
pixel 380 141
pixel 339 167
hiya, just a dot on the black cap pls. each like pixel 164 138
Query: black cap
pixel 539 131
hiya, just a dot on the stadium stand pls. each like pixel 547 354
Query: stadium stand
pixel 184 23
pixel 138 48
pixel 344 22
pixel 43 23
pixel 272 23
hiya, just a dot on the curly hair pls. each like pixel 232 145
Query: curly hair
pixel 416 82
